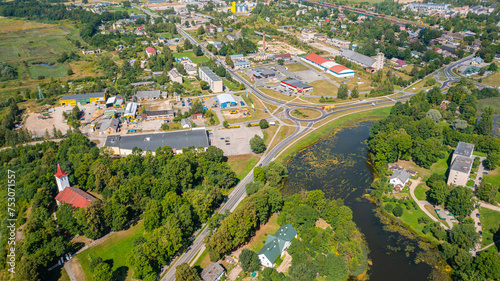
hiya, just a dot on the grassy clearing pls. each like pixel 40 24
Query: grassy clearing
pixel 411 218
pixel 58 70
pixel 203 261
pixel 260 237
pixel 323 88
pixel 242 164
pixel 230 85
pixel 490 221
pixel 420 191
pixel 492 80
pixel 296 67
pixel 191 56
pixel 440 167
pixel 492 102
pixel 115 248
pixel 305 113
pixel 327 130
pixel 269 134
pixel 493 177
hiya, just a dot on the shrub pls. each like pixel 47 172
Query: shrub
pixel 389 208
pixel 424 220
pixel 398 211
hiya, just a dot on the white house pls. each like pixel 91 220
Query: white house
pixel 276 245
pixel 185 123
pixel 399 179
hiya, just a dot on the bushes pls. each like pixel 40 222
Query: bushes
pixel 398 211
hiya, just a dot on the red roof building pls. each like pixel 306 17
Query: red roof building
pixel 60 172
pixel 283 57
pixel 75 197
pixel 150 50
pixel 317 59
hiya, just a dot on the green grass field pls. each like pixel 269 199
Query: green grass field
pixel 115 249
pixel 58 70
pixel 492 80
pixel 420 191
pixel 323 88
pixel 242 164
pixel 192 56
pixel 230 85
pixel 490 221
pixel 492 102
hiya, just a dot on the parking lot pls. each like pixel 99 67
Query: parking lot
pixel 238 140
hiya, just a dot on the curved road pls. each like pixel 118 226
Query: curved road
pixel 238 193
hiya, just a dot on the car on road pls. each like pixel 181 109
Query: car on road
pixel 228 143
pixel 227 138
pixel 221 138
pixel 478 224
pixel 480 232
pixel 480 178
pixel 477 215
pixel 485 173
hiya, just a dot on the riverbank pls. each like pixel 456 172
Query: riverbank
pixel 329 127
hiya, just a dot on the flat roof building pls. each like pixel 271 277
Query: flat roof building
pixel 328 66
pixel 296 85
pixel 81 99
pixel 214 81
pixel 461 164
pixel 148 95
pixel 226 100
pixel 263 73
pixel 463 149
pixel 175 76
pixel 123 145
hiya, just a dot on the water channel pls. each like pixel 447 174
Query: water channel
pixel 338 166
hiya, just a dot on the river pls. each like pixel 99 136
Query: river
pixel 338 166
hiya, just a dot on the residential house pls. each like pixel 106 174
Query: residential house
pixel 231 37
pixel 109 126
pixel 91 52
pixel 284 57
pixel 476 61
pixel 150 51
pixel 399 179
pixel 175 76
pixel 197 116
pixel 190 69
pixel 213 272
pixel 220 28
pixel 211 28
pixel 276 245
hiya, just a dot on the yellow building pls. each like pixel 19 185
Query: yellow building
pixel 233 7
pixel 82 99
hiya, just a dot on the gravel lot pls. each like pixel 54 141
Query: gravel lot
pixel 238 138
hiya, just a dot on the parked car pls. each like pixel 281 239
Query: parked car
pixel 477 215
pixel 221 138
pixel 228 143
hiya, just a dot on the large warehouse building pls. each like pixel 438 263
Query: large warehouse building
pixel 329 66
pixel 82 99
pixel 123 145
pixel 226 100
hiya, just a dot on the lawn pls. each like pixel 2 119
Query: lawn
pixel 420 191
pixel 493 102
pixel 323 88
pixel 269 134
pixel 57 70
pixel 242 164
pixel 115 249
pixel 257 242
pixel 128 10
pixel 192 56
pixel 493 177
pixel 492 80
pixel 411 218
pixel 230 85
pixel 490 221
pixel 305 113
pixel 296 67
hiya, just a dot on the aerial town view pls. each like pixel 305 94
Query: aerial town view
pixel 273 140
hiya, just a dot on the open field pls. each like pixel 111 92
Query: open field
pixel 57 70
pixel 115 248
pixel 420 192
pixel 323 88
pixel 29 41
pixel 492 80
pixel 191 56
pixel 490 221
pixel 305 113
pixel 242 164
pixel 493 102
pixel 296 67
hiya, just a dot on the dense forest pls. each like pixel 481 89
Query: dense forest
pixel 174 194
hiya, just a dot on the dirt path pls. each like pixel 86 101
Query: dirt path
pixel 75 270
pixel 285 265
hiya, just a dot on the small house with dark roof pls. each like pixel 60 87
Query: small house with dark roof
pixel 276 245
pixel 213 272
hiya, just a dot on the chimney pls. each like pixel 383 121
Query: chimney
pixel 264 41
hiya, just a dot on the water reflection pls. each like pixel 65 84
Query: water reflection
pixel 338 166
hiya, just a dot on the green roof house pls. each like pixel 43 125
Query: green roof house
pixel 276 245
pixel 471 70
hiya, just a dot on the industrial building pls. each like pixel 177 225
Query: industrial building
pixel 214 81
pixel 124 145
pixel 328 66
pixel 262 73
pixel 461 164
pixel 148 95
pixel 82 99
pixel 131 110
pixel 370 64
pixel 226 100
pixel 296 85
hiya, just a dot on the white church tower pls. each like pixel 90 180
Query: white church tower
pixel 61 179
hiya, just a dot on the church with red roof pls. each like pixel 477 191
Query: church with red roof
pixel 70 195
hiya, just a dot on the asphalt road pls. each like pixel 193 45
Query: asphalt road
pixel 239 192
pixel 452 77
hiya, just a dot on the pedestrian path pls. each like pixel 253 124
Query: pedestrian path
pixel 422 203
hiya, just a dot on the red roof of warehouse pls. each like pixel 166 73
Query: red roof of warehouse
pixel 60 172
pixel 75 197
pixel 317 59
pixel 282 56
pixel 150 50
pixel 338 68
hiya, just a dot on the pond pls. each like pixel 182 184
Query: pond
pixel 338 165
